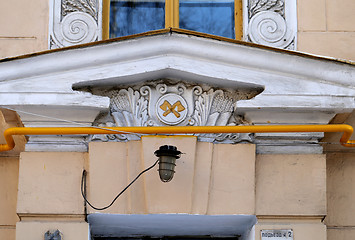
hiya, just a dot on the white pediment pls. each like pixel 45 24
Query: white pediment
pixel 298 88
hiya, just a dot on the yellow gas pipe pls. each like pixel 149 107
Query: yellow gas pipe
pixel 10 144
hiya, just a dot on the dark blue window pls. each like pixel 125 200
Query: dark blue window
pixel 136 16
pixel 214 17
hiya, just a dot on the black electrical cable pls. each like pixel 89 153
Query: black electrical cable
pixel 85 205
pixel 118 195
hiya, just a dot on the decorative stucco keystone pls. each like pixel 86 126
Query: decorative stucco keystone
pixel 272 23
pixel 74 22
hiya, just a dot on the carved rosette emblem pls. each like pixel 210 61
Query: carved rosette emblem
pixel 171 109
pixel 174 104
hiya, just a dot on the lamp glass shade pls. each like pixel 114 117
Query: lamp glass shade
pixel 166 167
pixel 167 157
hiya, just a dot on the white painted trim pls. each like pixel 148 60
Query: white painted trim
pixel 298 89
pixel 179 45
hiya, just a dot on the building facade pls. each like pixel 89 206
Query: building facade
pixel 256 184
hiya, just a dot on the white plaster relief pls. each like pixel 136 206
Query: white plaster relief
pixel 298 89
pixel 162 103
pixel 271 23
pixel 74 22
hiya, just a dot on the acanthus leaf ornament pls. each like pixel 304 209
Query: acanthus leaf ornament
pixel 87 6
pixel 174 104
pixel 266 5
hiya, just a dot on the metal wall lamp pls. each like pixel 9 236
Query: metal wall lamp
pixel 167 157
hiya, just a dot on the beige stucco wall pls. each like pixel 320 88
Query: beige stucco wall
pixel 9 172
pixel 49 195
pixel 49 183
pixel 326 27
pixel 291 185
pixel 8 196
pixel 284 191
pixel 24 27
pixel 291 194
pixel 340 219
pixel 209 179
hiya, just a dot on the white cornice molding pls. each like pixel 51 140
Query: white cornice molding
pixel 177 44
pixel 298 88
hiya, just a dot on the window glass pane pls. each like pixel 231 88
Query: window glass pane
pixel 214 16
pixel 136 16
